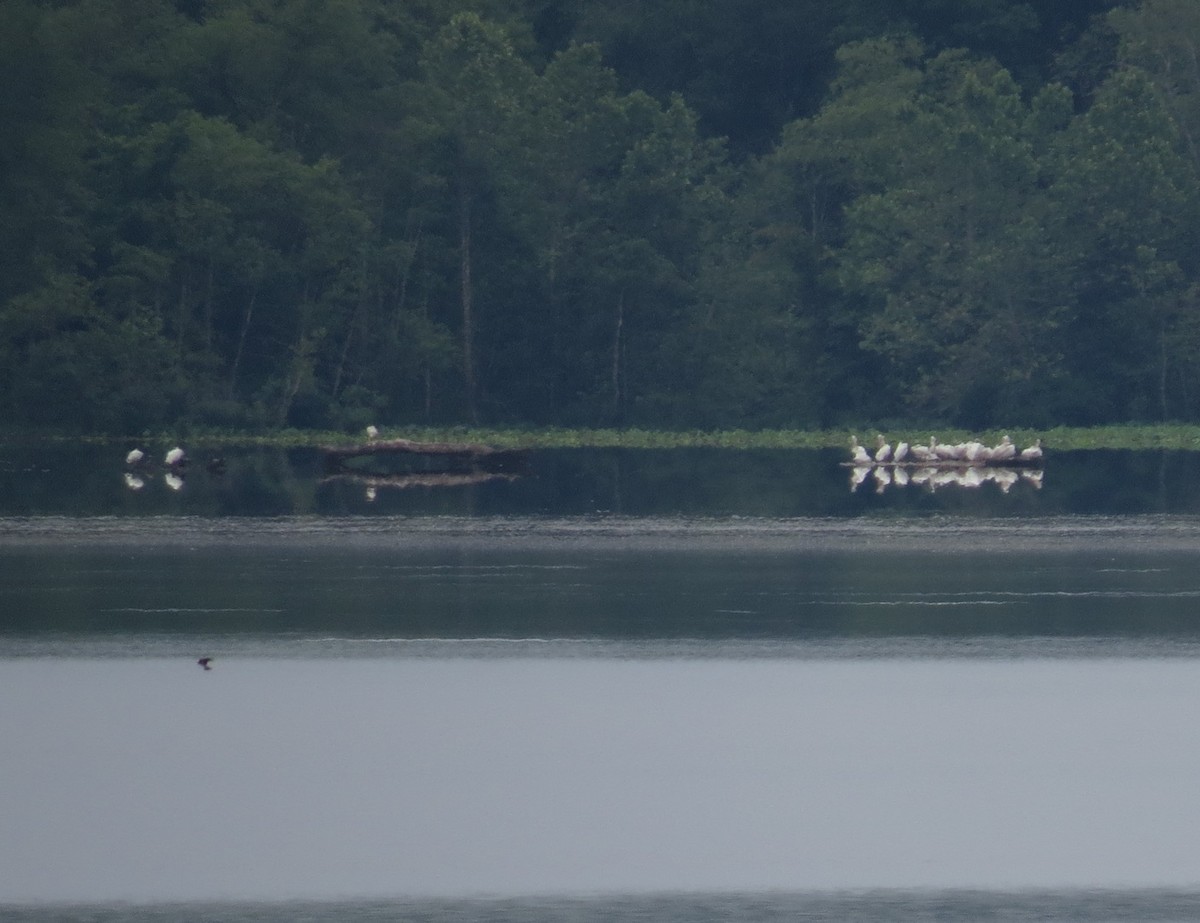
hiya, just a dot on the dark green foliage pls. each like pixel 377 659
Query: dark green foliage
pixel 325 213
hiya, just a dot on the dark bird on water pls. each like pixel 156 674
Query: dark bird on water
pixel 205 662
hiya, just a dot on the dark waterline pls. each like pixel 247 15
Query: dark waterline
pixel 1098 906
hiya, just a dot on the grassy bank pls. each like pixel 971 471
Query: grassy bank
pixel 1161 436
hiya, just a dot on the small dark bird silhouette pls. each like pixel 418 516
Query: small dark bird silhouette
pixel 205 662
pixel 216 465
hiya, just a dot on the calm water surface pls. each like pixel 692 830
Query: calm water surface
pixel 88 480
pixel 607 692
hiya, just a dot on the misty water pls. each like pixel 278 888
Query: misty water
pixel 619 685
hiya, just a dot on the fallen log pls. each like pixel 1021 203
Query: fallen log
pixel 408 446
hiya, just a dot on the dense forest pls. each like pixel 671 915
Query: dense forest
pixel 758 213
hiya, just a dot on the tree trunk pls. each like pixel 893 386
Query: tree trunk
pixel 468 322
pixel 181 321
pixel 1162 368
pixel 237 355
pixel 345 353
pixel 616 352
pixel 208 306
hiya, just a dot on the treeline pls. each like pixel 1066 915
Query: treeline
pixel 549 212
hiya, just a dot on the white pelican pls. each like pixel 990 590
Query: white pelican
pixel 134 457
pixel 1004 451
pixel 857 453
pixel 1033 453
pixel 901 452
pixel 921 452
pixel 175 457
pixel 976 453
pixel 945 452
pixel 884 451
pixel 372 431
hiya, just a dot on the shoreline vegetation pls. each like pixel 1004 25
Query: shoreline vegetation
pixel 1174 436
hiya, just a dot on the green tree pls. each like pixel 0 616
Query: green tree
pixel 951 253
pixel 1162 38
pixel 44 99
pixel 1126 197
pixel 476 92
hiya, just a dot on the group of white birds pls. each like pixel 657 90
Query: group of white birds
pixel 137 462
pixel 971 453
pixel 966 464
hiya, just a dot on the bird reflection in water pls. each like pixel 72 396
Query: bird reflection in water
pixel 933 479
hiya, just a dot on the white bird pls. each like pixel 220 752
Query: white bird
pixel 133 482
pixel 884 451
pixel 921 452
pixel 1004 451
pixel 976 453
pixel 857 453
pixel 1033 453
pixel 943 451
pixel 372 431
pixel 901 452
pixel 175 457
pixel 172 480
pixel 134 457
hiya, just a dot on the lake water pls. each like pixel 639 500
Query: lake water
pixel 692 686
